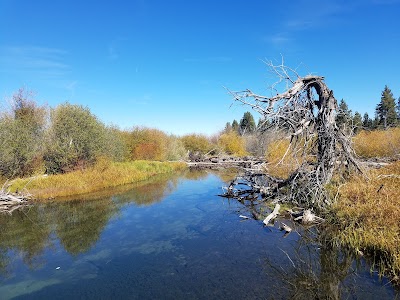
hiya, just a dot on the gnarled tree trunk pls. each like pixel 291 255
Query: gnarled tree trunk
pixel 306 111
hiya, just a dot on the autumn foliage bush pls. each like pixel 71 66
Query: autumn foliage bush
pixel 197 143
pixel 147 144
pixel 232 144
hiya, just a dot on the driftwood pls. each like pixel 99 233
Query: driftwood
pixel 10 202
pixel 272 215
pixel 215 162
pixel 305 112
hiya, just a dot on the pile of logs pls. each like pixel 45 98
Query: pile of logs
pixel 212 162
pixel 10 202
pixel 252 194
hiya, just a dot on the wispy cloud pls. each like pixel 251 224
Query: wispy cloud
pixel 279 39
pixel 40 61
pixel 301 16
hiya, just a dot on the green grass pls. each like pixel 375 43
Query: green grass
pixel 103 175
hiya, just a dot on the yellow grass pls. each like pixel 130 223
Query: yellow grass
pixel 369 216
pixel 378 143
pixel 281 165
pixel 103 175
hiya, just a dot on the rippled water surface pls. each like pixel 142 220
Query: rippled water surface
pixel 171 238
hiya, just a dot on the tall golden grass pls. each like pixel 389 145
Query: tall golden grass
pixel 378 143
pixel 104 174
pixel 368 214
pixel 282 160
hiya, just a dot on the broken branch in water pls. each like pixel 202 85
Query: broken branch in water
pixel 272 215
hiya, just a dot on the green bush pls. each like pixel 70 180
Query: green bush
pixel 75 139
pixel 21 136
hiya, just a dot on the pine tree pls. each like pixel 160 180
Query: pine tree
pixel 235 126
pixel 357 122
pixel 386 109
pixel 343 118
pixel 228 127
pixel 398 110
pixel 367 122
pixel 247 124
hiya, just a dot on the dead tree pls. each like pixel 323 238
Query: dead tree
pixel 306 111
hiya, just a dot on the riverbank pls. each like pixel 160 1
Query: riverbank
pixel 368 217
pixel 104 174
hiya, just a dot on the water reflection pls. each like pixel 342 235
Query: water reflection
pixel 316 269
pixel 77 224
pixel 27 233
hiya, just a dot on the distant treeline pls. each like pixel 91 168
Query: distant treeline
pixel 37 139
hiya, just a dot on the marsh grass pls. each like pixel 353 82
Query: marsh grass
pixel 105 174
pixel 367 213
pixel 284 160
pixel 378 143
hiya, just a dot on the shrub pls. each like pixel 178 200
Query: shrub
pixel 232 144
pixel 377 143
pixel 75 138
pixel 197 143
pixel 175 149
pixel 147 144
pixel 21 136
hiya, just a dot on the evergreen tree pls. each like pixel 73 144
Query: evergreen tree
pixel 398 110
pixel 247 124
pixel 386 109
pixel 235 126
pixel 343 118
pixel 228 127
pixel 367 122
pixel 357 122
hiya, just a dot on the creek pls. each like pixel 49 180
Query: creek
pixel 170 238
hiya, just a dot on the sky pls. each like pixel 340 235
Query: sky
pixel 164 64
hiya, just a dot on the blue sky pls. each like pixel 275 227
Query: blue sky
pixel 164 64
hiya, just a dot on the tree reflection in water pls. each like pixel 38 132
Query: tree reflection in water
pixel 26 232
pixel 78 224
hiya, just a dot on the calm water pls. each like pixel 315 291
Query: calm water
pixel 172 238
